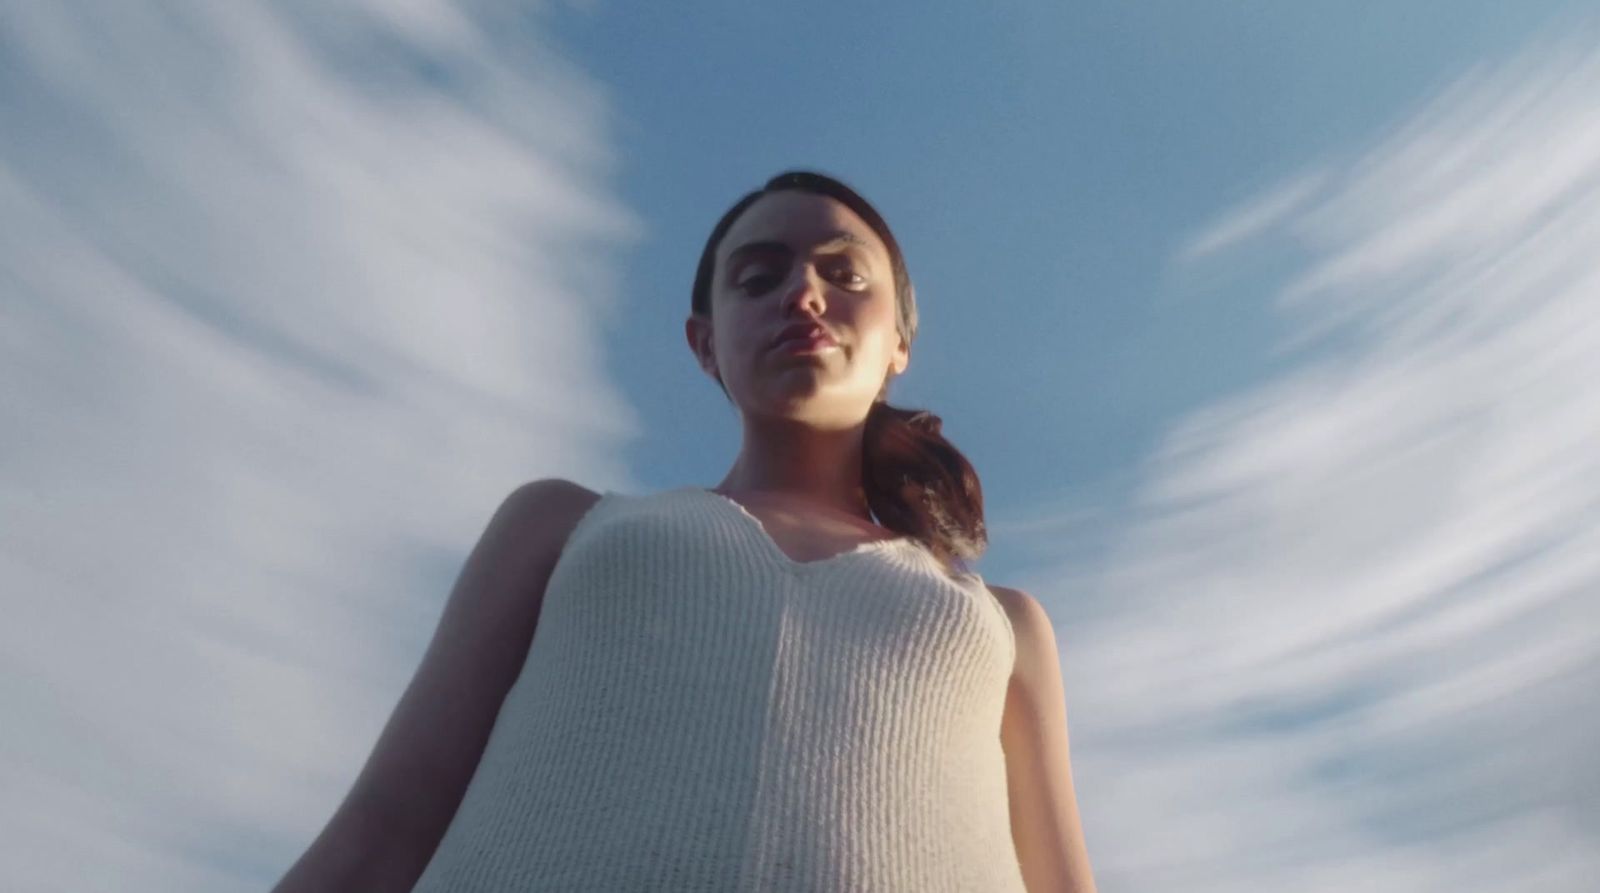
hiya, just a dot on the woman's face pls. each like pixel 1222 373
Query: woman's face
pixel 794 257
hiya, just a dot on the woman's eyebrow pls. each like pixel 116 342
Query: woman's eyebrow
pixel 768 246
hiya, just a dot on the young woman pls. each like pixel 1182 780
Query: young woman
pixel 790 681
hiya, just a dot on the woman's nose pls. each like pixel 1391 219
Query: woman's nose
pixel 805 287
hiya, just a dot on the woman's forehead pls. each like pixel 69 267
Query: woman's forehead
pixel 800 220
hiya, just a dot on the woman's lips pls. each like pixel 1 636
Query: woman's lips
pixel 806 344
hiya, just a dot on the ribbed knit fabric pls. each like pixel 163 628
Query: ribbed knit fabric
pixel 699 712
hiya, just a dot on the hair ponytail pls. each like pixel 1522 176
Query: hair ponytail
pixel 916 482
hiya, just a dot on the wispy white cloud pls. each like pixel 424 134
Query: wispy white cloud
pixel 288 301
pixel 1258 215
pixel 1352 637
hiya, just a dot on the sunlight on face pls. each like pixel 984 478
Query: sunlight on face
pixel 794 256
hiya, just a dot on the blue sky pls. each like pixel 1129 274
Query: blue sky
pixel 1271 329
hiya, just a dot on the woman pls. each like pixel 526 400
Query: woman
pixel 790 681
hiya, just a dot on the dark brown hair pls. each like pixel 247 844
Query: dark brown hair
pixel 916 482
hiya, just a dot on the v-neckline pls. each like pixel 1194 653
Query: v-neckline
pixel 863 548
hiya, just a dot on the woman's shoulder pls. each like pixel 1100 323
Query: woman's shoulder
pixel 551 505
pixel 554 489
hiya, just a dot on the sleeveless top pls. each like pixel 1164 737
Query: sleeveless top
pixel 700 712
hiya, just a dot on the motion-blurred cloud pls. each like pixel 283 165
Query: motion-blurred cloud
pixel 291 298
pixel 1350 636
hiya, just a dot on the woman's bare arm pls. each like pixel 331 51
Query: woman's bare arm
pixel 385 832
pixel 1045 823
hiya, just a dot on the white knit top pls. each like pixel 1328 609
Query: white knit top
pixel 699 712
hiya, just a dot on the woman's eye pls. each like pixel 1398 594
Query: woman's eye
pixel 851 277
pixel 761 282
pixel 754 284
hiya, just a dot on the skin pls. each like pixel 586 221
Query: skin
pixel 802 415
pixel 799 467
pixel 1045 823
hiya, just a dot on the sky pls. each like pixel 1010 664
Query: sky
pixel 1270 328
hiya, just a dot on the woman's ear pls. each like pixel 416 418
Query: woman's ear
pixel 698 331
pixel 901 359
